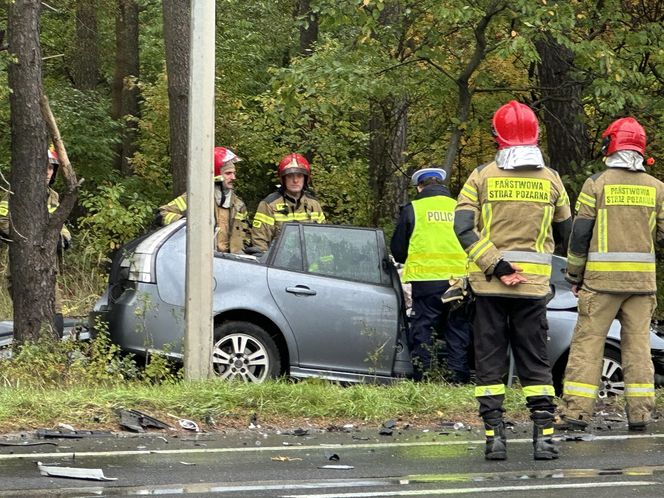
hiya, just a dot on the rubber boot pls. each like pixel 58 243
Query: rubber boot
pixel 543 445
pixel 496 443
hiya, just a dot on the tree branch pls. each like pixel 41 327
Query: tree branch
pixel 71 195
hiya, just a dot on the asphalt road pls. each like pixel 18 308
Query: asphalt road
pixel 608 463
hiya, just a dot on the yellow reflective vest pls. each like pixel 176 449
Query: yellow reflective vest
pixel 619 218
pixel 279 208
pixel 434 253
pixel 507 214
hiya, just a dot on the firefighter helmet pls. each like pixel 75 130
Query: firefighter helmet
pixel 223 159
pixel 294 163
pixel 624 134
pixel 53 156
pixel 515 124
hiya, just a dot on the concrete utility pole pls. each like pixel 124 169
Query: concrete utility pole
pixel 200 190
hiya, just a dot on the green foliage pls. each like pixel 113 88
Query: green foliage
pixel 116 213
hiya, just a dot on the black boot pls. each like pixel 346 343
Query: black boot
pixel 494 429
pixel 544 446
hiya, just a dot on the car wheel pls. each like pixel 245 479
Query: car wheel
pixel 611 382
pixel 244 351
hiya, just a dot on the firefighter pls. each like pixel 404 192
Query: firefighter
pixel 292 201
pixel 425 241
pixel 611 263
pixel 64 241
pixel 230 213
pixel 510 212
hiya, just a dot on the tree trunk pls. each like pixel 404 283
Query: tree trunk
pixel 124 87
pixel 177 19
pixel 85 64
pixel 388 129
pixel 32 254
pixel 566 133
pixel 309 30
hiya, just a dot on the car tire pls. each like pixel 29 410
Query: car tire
pixel 611 379
pixel 244 351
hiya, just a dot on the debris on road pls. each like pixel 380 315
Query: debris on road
pixel 73 473
pixel 190 425
pixel 285 459
pixel 300 432
pixel 136 421
pixel 27 443
pixel 60 434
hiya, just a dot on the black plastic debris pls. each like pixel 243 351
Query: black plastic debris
pixel 387 429
pixel 60 434
pixel 27 443
pixel 578 437
pixel 332 457
pixel 136 421
pixel 300 432
pixel 73 473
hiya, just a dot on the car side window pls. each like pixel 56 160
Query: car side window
pixel 289 255
pixel 349 254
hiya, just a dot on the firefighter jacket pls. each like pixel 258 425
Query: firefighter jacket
pixel 230 221
pixel 619 217
pixel 424 238
pixel 512 214
pixel 53 202
pixel 279 208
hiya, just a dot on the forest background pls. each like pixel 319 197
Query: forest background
pixel 368 90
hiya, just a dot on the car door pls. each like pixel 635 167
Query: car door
pixel 331 285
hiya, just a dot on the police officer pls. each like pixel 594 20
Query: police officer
pixel 611 262
pixel 291 202
pixel 509 212
pixel 230 213
pixel 424 240
pixel 64 241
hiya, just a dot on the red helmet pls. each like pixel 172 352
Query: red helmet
pixel 53 156
pixel 515 124
pixel 223 157
pixel 294 163
pixel 624 134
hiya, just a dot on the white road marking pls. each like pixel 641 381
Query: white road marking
pixel 281 448
pixel 459 491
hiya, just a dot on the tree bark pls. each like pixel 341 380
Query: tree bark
pixel 177 20
pixel 124 87
pixel 85 63
pixel 567 139
pixel 32 254
pixel 388 127
pixel 308 30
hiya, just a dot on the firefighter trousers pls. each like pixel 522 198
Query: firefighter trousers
pixel 596 312
pixel 521 323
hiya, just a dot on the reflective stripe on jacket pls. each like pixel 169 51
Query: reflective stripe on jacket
pixel 279 208
pixel 52 203
pixel 231 224
pixel 620 216
pixel 507 214
pixel 434 253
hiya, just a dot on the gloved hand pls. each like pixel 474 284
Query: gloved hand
pixel 458 293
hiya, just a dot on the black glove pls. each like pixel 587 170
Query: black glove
pixel 503 268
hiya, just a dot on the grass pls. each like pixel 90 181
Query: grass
pixel 232 404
